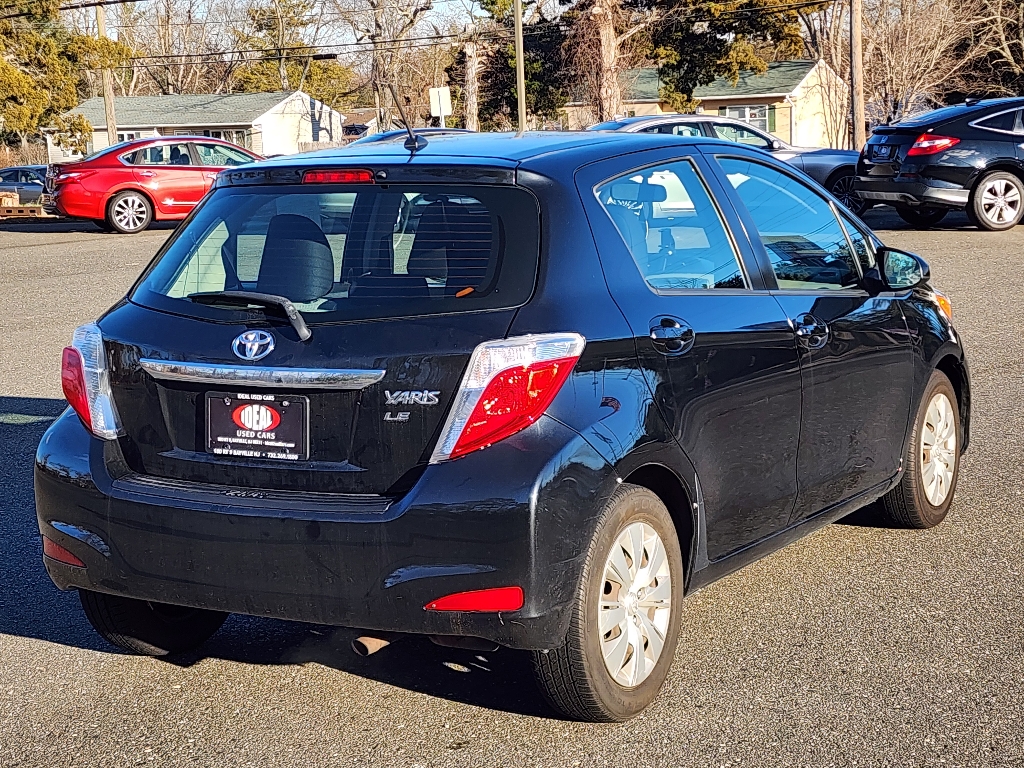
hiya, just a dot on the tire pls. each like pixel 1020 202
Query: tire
pixel 841 187
pixel 149 629
pixel 997 202
pixel 575 677
pixel 921 218
pixel 915 502
pixel 129 212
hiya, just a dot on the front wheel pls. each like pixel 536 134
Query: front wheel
pixel 147 628
pixel 129 212
pixel 997 202
pixel 626 615
pixel 931 460
pixel 921 218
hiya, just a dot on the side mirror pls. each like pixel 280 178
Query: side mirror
pixel 901 270
pixel 776 144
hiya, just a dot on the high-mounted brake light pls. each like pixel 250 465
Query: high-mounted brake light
pixel 86 382
pixel 928 144
pixel 483 600
pixel 506 388
pixel 338 176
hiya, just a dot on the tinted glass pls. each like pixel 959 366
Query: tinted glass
pixel 672 228
pixel 9 176
pixel 675 129
pixel 799 229
pixel 354 252
pixel 863 248
pixel 220 156
pixel 1001 122
pixel 740 135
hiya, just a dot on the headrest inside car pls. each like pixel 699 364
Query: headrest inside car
pixel 633 192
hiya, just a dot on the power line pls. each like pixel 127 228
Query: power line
pixel 74 7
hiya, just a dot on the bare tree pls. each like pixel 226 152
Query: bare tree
pixel 827 39
pixel 1002 24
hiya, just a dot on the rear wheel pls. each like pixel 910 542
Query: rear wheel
pixel 129 212
pixel 626 615
pixel 921 218
pixel 146 628
pixel 841 186
pixel 931 460
pixel 997 202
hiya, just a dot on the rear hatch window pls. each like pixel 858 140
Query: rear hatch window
pixel 353 252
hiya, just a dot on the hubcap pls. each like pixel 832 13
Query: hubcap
pixel 1001 201
pixel 635 604
pixel 843 189
pixel 130 212
pixel 938 449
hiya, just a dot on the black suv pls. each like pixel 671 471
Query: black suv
pixel 966 157
pixel 530 390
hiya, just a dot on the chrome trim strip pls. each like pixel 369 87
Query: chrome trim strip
pixel 247 375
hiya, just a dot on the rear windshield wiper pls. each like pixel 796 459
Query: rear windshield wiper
pixel 266 300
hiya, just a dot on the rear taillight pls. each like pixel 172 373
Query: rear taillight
pixel 86 382
pixel 927 144
pixel 507 387
pixel 65 178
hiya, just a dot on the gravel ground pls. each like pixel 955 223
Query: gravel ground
pixel 857 646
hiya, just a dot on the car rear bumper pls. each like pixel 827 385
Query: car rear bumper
pixel 910 192
pixel 358 561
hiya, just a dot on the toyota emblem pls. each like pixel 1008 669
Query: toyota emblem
pixel 253 345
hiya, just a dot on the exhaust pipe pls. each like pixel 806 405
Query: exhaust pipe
pixel 367 645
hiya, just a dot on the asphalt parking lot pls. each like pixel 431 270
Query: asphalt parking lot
pixel 857 646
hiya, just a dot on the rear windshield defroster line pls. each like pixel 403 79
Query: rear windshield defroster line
pixel 352 252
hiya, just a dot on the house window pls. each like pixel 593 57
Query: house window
pixel 756 116
pixel 126 136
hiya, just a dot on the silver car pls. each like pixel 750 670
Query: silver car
pixel 834 169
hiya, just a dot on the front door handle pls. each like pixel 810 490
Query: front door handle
pixel 671 336
pixel 812 332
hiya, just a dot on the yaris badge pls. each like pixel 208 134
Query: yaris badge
pixel 253 345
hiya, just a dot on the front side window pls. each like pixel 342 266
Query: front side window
pixel 220 156
pixel 799 229
pixel 673 230
pixel 741 135
pixel 353 252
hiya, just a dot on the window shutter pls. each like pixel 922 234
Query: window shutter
pixel 771 118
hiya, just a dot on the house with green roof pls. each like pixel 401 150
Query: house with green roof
pixel 278 123
pixel 802 102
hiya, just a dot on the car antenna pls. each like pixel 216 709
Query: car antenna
pixel 414 143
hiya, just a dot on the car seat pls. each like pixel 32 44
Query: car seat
pixel 297 260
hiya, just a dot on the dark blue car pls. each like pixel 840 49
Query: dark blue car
pixel 521 390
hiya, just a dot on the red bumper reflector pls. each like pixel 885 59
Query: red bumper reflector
pixel 492 600
pixel 339 176
pixel 55 551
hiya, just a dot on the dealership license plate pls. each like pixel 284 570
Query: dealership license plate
pixel 257 426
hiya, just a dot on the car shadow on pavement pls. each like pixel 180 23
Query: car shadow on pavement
pixel 37 225
pixel 32 607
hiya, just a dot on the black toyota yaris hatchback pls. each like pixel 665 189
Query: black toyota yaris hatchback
pixel 525 389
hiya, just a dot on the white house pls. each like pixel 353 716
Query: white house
pixel 278 123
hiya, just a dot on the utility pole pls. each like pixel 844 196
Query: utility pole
pixel 520 65
pixel 472 85
pixel 857 72
pixel 108 80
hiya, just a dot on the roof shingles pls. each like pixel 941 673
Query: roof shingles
pixel 182 110
pixel 782 77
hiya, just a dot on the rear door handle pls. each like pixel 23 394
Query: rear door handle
pixel 147 174
pixel 812 332
pixel 671 336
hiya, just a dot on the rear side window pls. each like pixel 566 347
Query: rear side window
pixel 1004 122
pixel 672 228
pixel 675 129
pixel 354 252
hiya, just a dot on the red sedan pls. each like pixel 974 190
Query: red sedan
pixel 126 186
